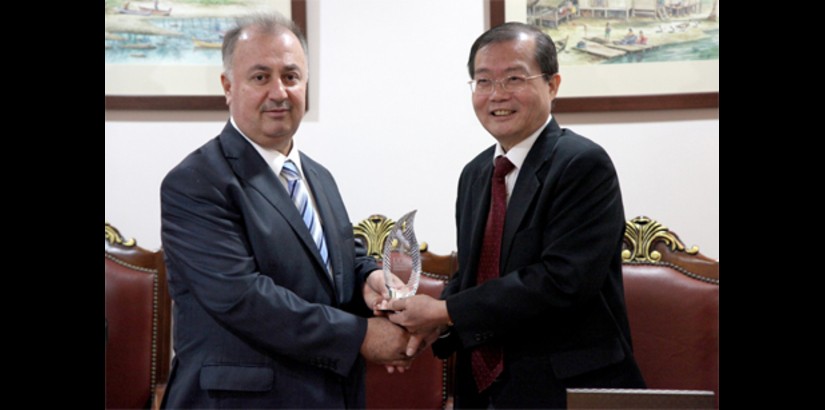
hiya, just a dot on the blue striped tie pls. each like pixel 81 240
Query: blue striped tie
pixel 298 193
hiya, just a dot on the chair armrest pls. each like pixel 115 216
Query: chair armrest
pixel 158 396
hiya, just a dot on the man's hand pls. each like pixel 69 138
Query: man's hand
pixel 386 343
pixel 422 316
pixel 419 313
pixel 420 341
pixel 375 293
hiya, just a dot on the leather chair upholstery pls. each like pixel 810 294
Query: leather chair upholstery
pixel 672 298
pixel 428 382
pixel 137 313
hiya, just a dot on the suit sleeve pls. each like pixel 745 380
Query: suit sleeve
pixel 559 259
pixel 363 266
pixel 444 346
pixel 208 250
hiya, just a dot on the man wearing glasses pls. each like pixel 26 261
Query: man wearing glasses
pixel 537 305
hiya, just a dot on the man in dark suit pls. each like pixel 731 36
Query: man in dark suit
pixel 270 290
pixel 537 304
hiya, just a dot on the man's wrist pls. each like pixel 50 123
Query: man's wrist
pixel 446 316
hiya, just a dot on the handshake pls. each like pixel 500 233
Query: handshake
pixel 401 328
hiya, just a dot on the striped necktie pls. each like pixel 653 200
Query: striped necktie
pixel 300 196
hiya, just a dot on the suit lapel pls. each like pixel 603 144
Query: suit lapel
pixel 481 207
pixel 528 186
pixel 250 167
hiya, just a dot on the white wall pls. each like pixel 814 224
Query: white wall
pixel 388 84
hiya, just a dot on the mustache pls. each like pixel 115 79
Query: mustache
pixel 275 105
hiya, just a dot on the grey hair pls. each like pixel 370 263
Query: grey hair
pixel 263 22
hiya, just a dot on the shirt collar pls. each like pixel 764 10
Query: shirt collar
pixel 274 158
pixel 518 153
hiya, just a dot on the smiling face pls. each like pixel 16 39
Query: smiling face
pixel 266 87
pixel 512 116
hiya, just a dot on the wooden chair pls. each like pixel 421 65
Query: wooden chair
pixel 672 297
pixel 428 383
pixel 137 351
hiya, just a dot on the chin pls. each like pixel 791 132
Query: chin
pixel 500 133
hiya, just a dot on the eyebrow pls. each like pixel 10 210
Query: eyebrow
pixel 268 69
pixel 292 67
pixel 260 67
pixel 507 70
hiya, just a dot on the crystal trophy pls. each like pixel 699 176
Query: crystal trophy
pixel 402 259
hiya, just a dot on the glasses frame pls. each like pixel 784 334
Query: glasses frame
pixel 474 83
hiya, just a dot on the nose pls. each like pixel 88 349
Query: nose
pixel 278 91
pixel 499 92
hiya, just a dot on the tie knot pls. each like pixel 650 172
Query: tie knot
pixel 503 167
pixel 290 171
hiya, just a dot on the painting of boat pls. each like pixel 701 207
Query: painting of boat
pixel 144 11
pixel 206 44
pixel 139 46
pixel 191 35
pixel 628 31
pixel 156 12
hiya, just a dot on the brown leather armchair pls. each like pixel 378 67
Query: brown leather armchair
pixel 137 350
pixel 428 382
pixel 672 297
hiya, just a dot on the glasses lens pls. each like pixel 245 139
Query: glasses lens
pixel 510 84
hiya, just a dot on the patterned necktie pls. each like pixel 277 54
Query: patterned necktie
pixel 488 360
pixel 300 196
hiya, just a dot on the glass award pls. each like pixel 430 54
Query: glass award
pixel 402 259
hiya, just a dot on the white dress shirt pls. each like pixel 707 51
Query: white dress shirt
pixel 517 155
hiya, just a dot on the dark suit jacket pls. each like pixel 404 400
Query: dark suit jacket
pixel 258 322
pixel 558 308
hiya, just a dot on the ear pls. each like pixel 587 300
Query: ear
pixel 553 85
pixel 227 88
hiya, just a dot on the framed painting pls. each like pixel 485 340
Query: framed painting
pixel 166 54
pixel 617 55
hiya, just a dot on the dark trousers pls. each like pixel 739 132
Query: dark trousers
pixel 518 390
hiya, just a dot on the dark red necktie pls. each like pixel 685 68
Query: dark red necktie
pixel 488 360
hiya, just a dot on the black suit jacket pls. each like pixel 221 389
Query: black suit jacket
pixel 258 322
pixel 558 308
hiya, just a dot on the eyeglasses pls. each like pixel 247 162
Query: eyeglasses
pixel 510 84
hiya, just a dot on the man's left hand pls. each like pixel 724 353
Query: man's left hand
pixel 375 291
pixel 419 313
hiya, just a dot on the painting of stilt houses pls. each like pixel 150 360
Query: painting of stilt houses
pixel 551 13
pixel 662 9
pixel 625 31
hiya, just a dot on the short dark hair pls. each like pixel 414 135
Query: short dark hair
pixel 265 22
pixel 545 48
